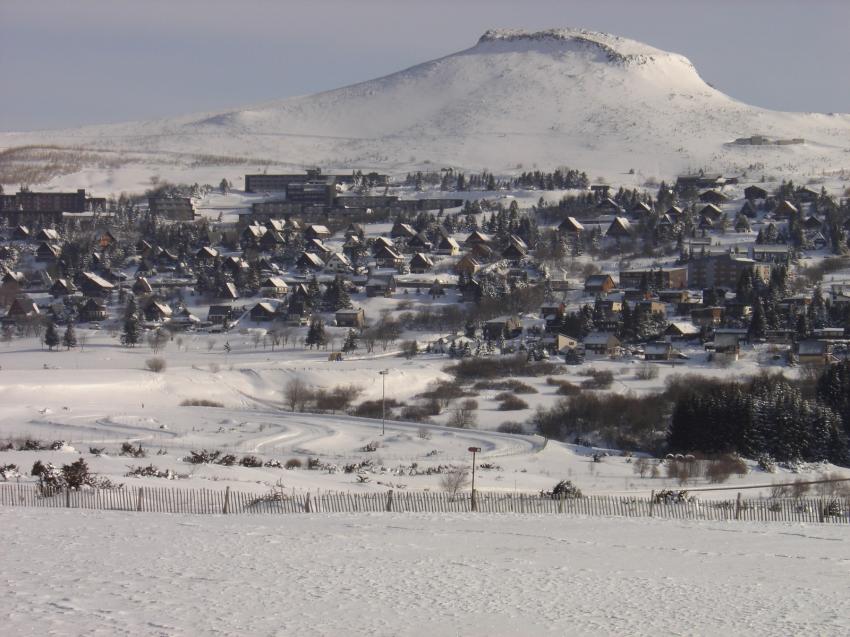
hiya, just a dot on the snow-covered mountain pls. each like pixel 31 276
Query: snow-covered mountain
pixel 592 101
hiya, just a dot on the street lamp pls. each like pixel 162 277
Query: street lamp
pixel 383 374
pixel 474 450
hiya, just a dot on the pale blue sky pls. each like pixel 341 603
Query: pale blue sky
pixel 71 62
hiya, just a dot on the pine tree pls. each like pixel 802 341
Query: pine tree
pixel 758 321
pixel 51 337
pixel 69 338
pixel 130 336
pixel 350 341
pixel 316 334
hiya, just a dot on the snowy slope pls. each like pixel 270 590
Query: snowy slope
pixel 590 100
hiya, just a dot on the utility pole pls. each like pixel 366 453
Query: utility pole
pixel 474 450
pixel 383 374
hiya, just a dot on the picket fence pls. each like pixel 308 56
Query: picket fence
pixel 834 510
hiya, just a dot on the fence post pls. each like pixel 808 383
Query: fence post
pixel 226 506
pixel 307 507
pixel 561 502
pixel 390 500
pixel 139 500
pixel 67 497
pixel 651 502
pixel 738 507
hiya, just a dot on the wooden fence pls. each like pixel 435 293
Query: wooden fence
pixel 207 501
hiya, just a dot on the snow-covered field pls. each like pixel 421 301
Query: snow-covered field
pixel 99 573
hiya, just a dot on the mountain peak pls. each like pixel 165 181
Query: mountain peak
pixel 615 49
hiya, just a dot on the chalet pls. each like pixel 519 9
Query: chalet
pixel 48 252
pixel 448 246
pixel 707 316
pixel 402 231
pixel 812 223
pixel 352 245
pixel 728 341
pixel 467 265
pixel 380 286
pixel 141 286
pixel 21 233
pixel 354 230
pixel 156 311
pixel 619 228
pixel 781 336
pixel 515 250
pixel 220 314
pixel 206 255
pixel 234 265
pixel 564 343
pixel 251 236
pixel 22 308
pixel 681 331
pixel 314 246
pixel 768 253
pixel 183 320
pixel 275 225
pixel 476 237
pixel 310 261
pixel 106 240
pixel 601 344
pixel 314 231
pixel 713 197
pixel 711 212
pixel 754 192
pixel 784 210
pixel 172 208
pixel 685 182
pixel 271 241
pixel 599 284
pixel 420 243
pixel 807 195
pixel 814 352
pixel 481 251
pixel 62 287
pixel 659 351
pixel 421 263
pixel 673 296
pixel 93 310
pixel 10 287
pixel 48 235
pixel 388 258
pixel 639 211
pixel 610 206
pixel 263 311
pixel 351 318
pixel 338 263
pixel 675 213
pixel 227 291
pixel 571 225
pixel 93 285
pixel 274 287
pixel 507 327
pixel 652 306
pixel 382 242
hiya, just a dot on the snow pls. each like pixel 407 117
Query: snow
pixel 514 98
pixel 418 574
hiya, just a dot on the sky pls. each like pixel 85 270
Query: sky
pixel 66 63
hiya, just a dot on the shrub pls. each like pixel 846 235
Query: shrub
pixel 599 379
pixel 423 433
pixel 501 366
pixel 128 449
pixel 454 480
pixel 766 463
pixel 370 446
pixel 416 413
pixel 200 402
pixel 228 460
pixel 516 386
pixel 202 457
pixel 509 402
pixel 565 387
pixel 293 463
pixel 372 408
pixel 155 364
pixel 510 427
pixel 647 371
pixel 251 461
pixel 565 487
pixel 444 392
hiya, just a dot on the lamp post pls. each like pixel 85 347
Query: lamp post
pixel 474 450
pixel 383 374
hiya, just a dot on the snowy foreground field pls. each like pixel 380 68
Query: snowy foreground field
pixel 97 573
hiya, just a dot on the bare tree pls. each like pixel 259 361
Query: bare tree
pixel 297 393
pixel 454 480
pixel 463 416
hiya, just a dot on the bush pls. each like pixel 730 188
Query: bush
pixel 565 487
pixel 128 449
pixel 416 413
pixel 251 461
pixel 202 457
pixel 599 379
pixel 293 463
pixel 228 460
pixel 647 371
pixel 501 366
pixel 454 480
pixel 565 387
pixel 511 402
pixel 516 386
pixel 511 428
pixel 155 364
pixel 372 408
pixel 200 402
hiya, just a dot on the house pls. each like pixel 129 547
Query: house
pixel 220 314
pixel 21 233
pixel 380 286
pixel 814 352
pixel 506 327
pixel 315 231
pixel 652 306
pixel 728 342
pixel 93 285
pixel 47 252
pixel 639 211
pixel 354 230
pixel 476 237
pixel 271 241
pixel 93 310
pixel 351 318
pixel 619 228
pixel 402 231
pixel 388 258
pixel 420 243
pixel 481 251
pixel 448 246
pixel 314 246
pixel 812 223
pixel 806 194
pixel 571 225
pixel 681 331
pixel 228 291
pixel 754 192
pixel 467 265
pixel 309 261
pixel 515 250
pixel 768 253
pixel 707 316
pixel 601 344
pixel 382 242
pixel 421 263
pixel 172 208
pixel 610 206
pixel 48 235
pixel 22 308
pixel 599 284
pixel 784 210
pixel 157 311
pixel 141 286
pixel 62 287
pixel 206 255
pixel 659 351
pixel 713 197
pixel 274 287
pixel 251 236
pixel 711 212
pixel 338 263
pixel 564 343
pixel 263 311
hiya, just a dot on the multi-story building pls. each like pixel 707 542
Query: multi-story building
pixel 723 271
pixel 663 278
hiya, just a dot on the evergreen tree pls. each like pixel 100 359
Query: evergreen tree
pixel 316 335
pixel 69 338
pixel 130 335
pixel 351 343
pixel 51 336
pixel 758 321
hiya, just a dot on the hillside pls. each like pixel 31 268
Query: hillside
pixel 598 102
